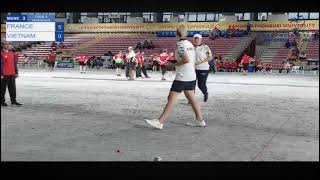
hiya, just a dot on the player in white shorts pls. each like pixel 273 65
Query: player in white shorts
pixel 185 81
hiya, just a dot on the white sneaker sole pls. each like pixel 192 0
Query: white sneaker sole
pixel 192 124
pixel 149 120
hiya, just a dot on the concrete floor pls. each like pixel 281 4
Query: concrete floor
pixel 88 117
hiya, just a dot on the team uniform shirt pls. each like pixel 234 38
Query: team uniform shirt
pixel 83 58
pixel 185 72
pixel 246 59
pixel 118 58
pixel 8 64
pixel 140 58
pixel 52 57
pixel 234 65
pixel 164 57
pixel 202 53
pixel 131 55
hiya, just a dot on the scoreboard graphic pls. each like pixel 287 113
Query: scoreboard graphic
pixel 34 28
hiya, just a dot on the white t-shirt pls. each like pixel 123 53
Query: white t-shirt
pixel 202 53
pixel 185 72
pixel 130 55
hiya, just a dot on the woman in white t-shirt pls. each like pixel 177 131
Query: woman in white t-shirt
pixel 185 81
pixel 203 55
pixel 132 63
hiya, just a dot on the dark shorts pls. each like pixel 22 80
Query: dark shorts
pixel 81 63
pixel 132 66
pixel 118 65
pixel 245 66
pixel 51 63
pixel 179 86
pixel 163 69
pixel 155 63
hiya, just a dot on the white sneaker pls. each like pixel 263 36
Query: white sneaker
pixel 154 123
pixel 196 123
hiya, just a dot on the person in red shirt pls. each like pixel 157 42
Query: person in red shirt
pixel 245 63
pixel 234 66
pixel 163 58
pixel 119 62
pixel 226 66
pixel 139 58
pixel 83 59
pixel 143 67
pixel 52 60
pixel 171 68
pixel 9 71
pixel 268 68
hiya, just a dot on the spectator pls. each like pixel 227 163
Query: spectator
pixel 233 66
pixel 226 66
pixel 138 46
pixel 155 62
pixel 268 67
pixel 219 65
pixel 151 45
pixel 303 56
pixel 109 58
pixel 9 72
pixel 288 44
pixel 59 50
pixel 212 64
pixel 211 36
pixel 260 66
pixel 53 45
pixel 99 63
pixel 249 26
pixel 62 45
pixel 287 66
pixel 93 61
pixel 296 32
pixel 256 64
pixel 291 57
pixel 145 44
pixel 228 33
pixel 294 43
pixel 316 35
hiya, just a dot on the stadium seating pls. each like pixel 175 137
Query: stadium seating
pixel 116 42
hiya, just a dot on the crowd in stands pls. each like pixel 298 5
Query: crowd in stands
pixel 57 47
pixel 230 32
pixel 146 45
pixel 295 56
pixel 234 65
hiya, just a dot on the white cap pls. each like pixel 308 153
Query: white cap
pixel 197 36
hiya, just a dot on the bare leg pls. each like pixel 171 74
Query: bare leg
pixel 194 103
pixel 169 106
